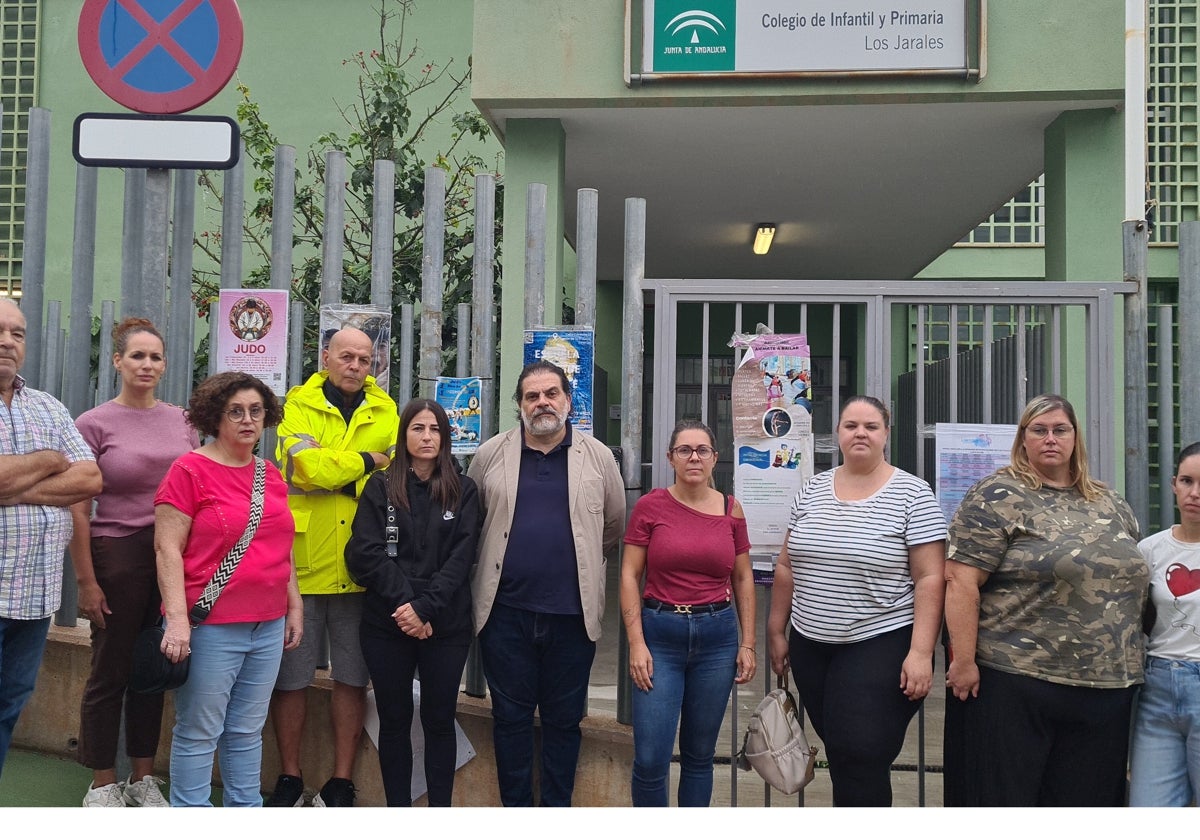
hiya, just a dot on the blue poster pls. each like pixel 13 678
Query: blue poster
pixel 460 398
pixel 573 350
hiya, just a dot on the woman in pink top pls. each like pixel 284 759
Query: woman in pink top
pixel 201 511
pixel 135 438
pixel 690 544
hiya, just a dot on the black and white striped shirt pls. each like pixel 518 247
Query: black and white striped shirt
pixel 850 571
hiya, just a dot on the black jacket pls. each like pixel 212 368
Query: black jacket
pixel 431 570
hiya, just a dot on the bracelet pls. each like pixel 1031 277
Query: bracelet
pixel 747 647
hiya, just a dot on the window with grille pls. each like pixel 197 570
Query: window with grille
pixel 18 84
pixel 945 336
pixel 1171 117
pixel 1019 222
pixel 1171 135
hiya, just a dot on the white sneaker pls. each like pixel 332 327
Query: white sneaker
pixel 146 793
pixel 108 796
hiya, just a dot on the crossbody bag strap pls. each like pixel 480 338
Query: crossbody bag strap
pixel 225 571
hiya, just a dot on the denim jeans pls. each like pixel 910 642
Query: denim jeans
pixel 695 660
pixel 543 661
pixel 21 645
pixel 221 709
pixel 1165 758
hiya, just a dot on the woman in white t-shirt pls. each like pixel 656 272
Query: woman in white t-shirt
pixel 1165 755
pixel 860 582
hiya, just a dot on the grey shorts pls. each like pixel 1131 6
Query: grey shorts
pixel 340 615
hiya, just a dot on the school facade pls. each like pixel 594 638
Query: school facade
pixel 955 142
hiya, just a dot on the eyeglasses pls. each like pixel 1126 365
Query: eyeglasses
pixel 685 452
pixel 1058 431
pixel 238 414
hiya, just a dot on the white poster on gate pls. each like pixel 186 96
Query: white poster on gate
pixel 773 442
pixel 967 452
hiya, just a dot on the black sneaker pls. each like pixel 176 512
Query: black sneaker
pixel 337 793
pixel 289 793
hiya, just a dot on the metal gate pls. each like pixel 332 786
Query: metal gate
pixel 865 335
pixel 934 351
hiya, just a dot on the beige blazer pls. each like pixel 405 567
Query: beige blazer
pixel 597 501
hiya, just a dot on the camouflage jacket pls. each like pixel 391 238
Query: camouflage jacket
pixel 1067 584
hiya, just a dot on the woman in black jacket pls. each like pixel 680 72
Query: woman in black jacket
pixel 412 546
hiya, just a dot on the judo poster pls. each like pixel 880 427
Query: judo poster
pixel 967 452
pixel 772 427
pixel 461 399
pixel 573 349
pixel 375 322
pixel 251 335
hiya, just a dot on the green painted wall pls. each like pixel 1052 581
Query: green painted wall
pixel 293 63
pixel 1036 49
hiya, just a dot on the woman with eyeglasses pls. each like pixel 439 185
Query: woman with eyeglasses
pixel 209 502
pixel 859 582
pixel 1164 762
pixel 691 629
pixel 1044 598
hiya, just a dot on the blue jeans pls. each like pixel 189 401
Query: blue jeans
pixel 543 661
pixel 1165 757
pixel 221 709
pixel 695 660
pixel 21 645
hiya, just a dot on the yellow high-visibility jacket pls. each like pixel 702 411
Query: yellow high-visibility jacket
pixel 319 455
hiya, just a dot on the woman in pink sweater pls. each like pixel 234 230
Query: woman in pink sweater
pixel 135 438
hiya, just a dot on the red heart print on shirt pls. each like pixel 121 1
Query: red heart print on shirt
pixel 1181 580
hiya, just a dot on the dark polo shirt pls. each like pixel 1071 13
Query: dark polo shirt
pixel 540 572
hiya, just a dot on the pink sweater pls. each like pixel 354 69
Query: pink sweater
pixel 133 447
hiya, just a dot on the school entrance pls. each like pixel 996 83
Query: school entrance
pixel 933 351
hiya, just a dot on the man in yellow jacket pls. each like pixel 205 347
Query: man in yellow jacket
pixel 338 428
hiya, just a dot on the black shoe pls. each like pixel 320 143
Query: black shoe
pixel 289 793
pixel 337 793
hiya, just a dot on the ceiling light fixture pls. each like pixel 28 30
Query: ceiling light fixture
pixel 763 237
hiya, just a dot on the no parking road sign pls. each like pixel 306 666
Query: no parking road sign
pixel 160 56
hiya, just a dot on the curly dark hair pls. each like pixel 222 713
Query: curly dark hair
pixel 541 366
pixel 206 407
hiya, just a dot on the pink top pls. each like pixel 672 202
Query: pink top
pixel 217 498
pixel 689 554
pixel 133 447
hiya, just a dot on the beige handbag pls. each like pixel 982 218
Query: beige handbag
pixel 775 745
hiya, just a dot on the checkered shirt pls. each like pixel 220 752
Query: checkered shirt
pixel 33 538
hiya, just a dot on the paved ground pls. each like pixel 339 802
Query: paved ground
pixel 35 780
pixel 745 787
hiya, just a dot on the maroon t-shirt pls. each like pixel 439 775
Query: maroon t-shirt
pixel 689 554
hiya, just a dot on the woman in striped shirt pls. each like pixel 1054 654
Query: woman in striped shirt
pixel 860 582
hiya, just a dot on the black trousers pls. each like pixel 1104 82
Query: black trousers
pixel 393 659
pixel 126 572
pixel 1027 742
pixel 852 695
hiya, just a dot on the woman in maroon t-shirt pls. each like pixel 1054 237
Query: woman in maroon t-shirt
pixel 689 543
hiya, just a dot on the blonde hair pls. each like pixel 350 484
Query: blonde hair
pixel 1023 471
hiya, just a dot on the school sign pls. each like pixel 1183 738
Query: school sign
pixel 766 37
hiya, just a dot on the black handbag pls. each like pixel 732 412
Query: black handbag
pixel 153 672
